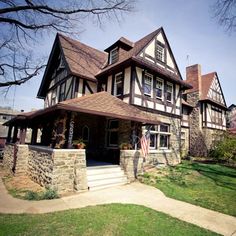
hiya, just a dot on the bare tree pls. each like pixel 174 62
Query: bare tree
pixel 24 22
pixel 225 12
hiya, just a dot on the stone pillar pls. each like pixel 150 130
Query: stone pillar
pixel 69 170
pixel 9 134
pixel 70 131
pixel 15 134
pixel 131 162
pixel 21 164
pixel 22 135
pixel 34 135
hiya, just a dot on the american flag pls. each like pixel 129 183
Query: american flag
pixel 145 142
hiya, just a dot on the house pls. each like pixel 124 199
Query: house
pixel 207 116
pixel 108 99
pixel 231 119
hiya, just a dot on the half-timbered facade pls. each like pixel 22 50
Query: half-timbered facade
pixel 208 116
pixel 108 100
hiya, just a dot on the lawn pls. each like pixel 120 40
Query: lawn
pixel 112 219
pixel 208 185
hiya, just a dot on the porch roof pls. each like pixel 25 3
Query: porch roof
pixel 102 104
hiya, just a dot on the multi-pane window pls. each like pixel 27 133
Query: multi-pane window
pixel 113 56
pixel 118 86
pixel 147 84
pixel 169 92
pixel 112 133
pixel 216 115
pixel 159 52
pixel 159 88
pixel 159 136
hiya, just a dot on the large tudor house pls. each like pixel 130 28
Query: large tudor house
pixel 110 99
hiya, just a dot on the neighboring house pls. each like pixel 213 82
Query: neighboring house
pixel 231 116
pixel 6 114
pixel 110 100
pixel 207 118
pixel 231 119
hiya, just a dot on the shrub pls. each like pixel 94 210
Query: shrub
pixel 225 150
pixel 30 195
pixel 50 194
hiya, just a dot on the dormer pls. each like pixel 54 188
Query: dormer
pixel 115 50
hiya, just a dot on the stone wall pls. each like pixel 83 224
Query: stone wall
pixel 185 142
pixel 8 155
pixel 61 169
pixel 131 162
pixel 197 142
pixel 40 165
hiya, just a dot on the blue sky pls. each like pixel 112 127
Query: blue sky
pixel 190 29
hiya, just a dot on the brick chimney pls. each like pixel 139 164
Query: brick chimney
pixel 193 76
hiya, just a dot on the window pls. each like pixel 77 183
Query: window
pixel 169 92
pixel 216 115
pixel 85 133
pixel 112 133
pixel 159 88
pixel 113 56
pixel 147 84
pixel 62 92
pixel 118 87
pixel 159 52
pixel 159 136
pixel 164 133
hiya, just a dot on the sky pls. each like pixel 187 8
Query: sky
pixel 193 33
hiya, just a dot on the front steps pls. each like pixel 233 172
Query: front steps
pixel 105 176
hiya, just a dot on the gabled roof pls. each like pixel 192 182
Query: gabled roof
pixel 206 82
pixel 133 53
pixel 82 60
pixel 121 41
pixel 102 104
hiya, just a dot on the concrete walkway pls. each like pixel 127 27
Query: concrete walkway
pixel 135 193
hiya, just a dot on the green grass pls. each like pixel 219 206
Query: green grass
pixel 208 185
pixel 112 219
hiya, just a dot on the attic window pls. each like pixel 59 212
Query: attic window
pixel 159 52
pixel 113 56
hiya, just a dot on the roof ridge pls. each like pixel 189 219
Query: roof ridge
pixel 79 42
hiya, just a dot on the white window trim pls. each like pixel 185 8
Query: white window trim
pixel 172 92
pixel 162 81
pixel 115 84
pixel 110 55
pixel 163 52
pixel 151 92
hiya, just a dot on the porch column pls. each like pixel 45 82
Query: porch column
pixel 22 135
pixel 15 134
pixel 71 131
pixel 9 134
pixel 34 135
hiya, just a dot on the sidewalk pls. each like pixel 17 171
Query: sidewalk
pixel 135 193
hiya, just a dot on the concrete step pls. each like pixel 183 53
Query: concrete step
pixel 102 170
pixel 92 177
pixel 104 183
pixel 105 176
pixel 105 186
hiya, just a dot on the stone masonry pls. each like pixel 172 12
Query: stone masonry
pixel 60 169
